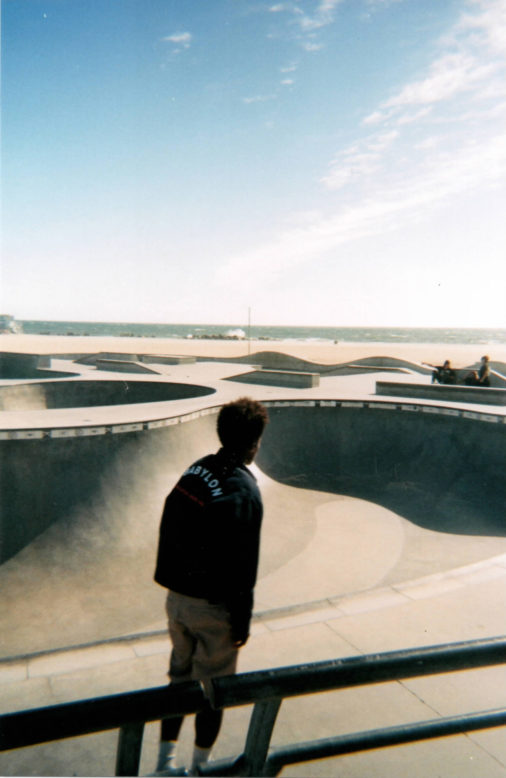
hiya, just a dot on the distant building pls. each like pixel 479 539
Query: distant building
pixel 8 324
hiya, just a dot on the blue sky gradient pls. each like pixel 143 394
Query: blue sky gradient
pixel 338 162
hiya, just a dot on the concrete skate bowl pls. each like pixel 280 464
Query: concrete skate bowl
pixel 79 523
pixel 88 393
pixel 47 472
pixel 431 483
pixel 439 468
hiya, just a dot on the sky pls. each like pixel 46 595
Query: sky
pixel 308 162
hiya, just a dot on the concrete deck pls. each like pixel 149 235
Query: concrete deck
pixel 340 576
pixel 465 603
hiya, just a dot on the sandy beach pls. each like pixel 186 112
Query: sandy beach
pixel 461 355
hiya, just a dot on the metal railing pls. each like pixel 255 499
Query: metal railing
pixel 266 689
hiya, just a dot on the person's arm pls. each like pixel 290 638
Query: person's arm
pixel 241 515
pixel 245 570
pixel 241 609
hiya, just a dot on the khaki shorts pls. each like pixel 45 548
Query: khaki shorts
pixel 201 638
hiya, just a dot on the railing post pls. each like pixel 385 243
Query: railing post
pixel 128 755
pixel 259 735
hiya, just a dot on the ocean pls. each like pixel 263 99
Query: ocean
pixel 477 336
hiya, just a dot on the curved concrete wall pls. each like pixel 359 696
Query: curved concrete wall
pixel 88 393
pixel 14 365
pixel 46 475
pixel 438 467
pixel 435 466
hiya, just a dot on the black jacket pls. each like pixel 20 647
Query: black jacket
pixel 210 537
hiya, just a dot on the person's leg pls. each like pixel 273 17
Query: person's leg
pixel 183 647
pixel 169 733
pixel 215 656
pixel 170 728
pixel 207 727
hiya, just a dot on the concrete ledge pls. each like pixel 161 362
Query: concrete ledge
pixel 162 359
pixel 122 366
pixel 295 380
pixel 91 359
pixel 467 394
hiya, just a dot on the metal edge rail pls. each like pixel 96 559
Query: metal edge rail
pixel 84 717
pixel 356 671
pixel 381 738
pixel 128 712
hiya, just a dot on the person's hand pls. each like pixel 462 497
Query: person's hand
pixel 239 624
pixel 240 640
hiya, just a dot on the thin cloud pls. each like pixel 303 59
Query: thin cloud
pixel 374 118
pixel 450 75
pixel 441 180
pixel 469 71
pixel 311 46
pixel 383 140
pixel 346 168
pixel 361 160
pixel 258 99
pixel 474 60
pixel 491 23
pixel 323 16
pixel 181 39
pixel 420 156
pixel 308 25
pixel 410 118
pixel 429 143
pixel 382 3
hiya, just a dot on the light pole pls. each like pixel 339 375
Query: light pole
pixel 249 330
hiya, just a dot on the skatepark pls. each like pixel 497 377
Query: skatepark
pixel 384 529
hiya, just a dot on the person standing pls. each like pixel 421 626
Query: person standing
pixel 207 558
pixel 484 372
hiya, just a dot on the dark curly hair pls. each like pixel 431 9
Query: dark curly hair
pixel 241 423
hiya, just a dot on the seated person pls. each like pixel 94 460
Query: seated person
pixel 444 374
pixel 479 377
pixel 471 378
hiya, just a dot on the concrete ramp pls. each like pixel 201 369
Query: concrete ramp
pixel 275 360
pixel 123 366
pixel 290 378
